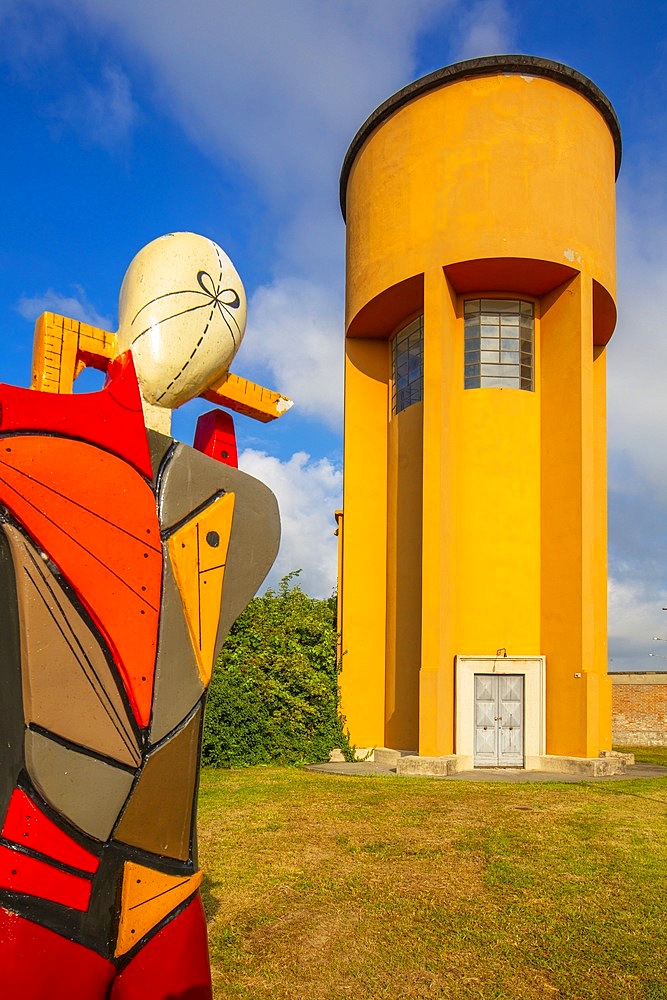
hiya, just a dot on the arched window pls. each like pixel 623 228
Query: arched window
pixel 499 337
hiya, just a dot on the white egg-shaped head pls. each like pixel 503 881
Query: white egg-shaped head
pixel 182 313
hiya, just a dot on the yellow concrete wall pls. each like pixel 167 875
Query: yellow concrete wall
pixel 568 512
pixel 600 723
pixel 497 166
pixel 574 525
pixel 442 444
pixel 364 555
pixel 498 476
pixel 481 515
pixel 509 550
pixel 404 568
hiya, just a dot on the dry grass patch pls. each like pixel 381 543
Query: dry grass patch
pixel 322 886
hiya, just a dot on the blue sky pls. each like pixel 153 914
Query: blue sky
pixel 126 119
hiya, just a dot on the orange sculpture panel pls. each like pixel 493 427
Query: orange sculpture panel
pixel 101 531
pixel 198 553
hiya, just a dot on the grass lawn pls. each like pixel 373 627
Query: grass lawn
pixel 325 886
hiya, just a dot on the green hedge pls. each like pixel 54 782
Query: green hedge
pixel 274 692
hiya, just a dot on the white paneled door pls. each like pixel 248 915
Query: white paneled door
pixel 498 720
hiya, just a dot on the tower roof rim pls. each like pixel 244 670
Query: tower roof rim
pixel 483 66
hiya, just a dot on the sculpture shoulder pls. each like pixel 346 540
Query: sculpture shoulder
pixel 186 482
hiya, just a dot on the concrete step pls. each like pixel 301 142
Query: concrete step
pixel 427 765
pixel 387 757
pixel 590 767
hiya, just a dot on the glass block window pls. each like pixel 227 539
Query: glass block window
pixel 407 358
pixel 499 338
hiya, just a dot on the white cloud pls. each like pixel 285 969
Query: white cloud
pixel 73 306
pixel 277 88
pixel 103 114
pixel 296 333
pixel 308 493
pixel 637 419
pixel 635 617
pixel 637 354
pixel 28 36
pixel 487 29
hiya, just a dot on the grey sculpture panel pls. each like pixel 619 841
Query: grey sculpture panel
pixel 68 685
pixel 178 686
pixel 188 481
pixel 174 766
pixel 90 792
pixel 11 708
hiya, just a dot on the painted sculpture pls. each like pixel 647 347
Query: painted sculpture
pixel 125 556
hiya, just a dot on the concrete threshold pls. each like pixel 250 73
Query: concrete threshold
pixel 513 775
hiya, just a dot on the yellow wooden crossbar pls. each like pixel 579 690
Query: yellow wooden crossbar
pixel 237 393
pixel 64 347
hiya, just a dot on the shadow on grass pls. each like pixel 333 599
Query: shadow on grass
pixel 211 904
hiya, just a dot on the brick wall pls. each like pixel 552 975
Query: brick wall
pixel 639 708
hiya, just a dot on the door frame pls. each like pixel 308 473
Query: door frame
pixel 533 669
pixel 498 757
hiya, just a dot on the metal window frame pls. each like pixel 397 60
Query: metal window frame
pixel 494 321
pixel 407 365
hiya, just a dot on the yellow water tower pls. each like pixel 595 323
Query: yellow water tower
pixel 480 212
